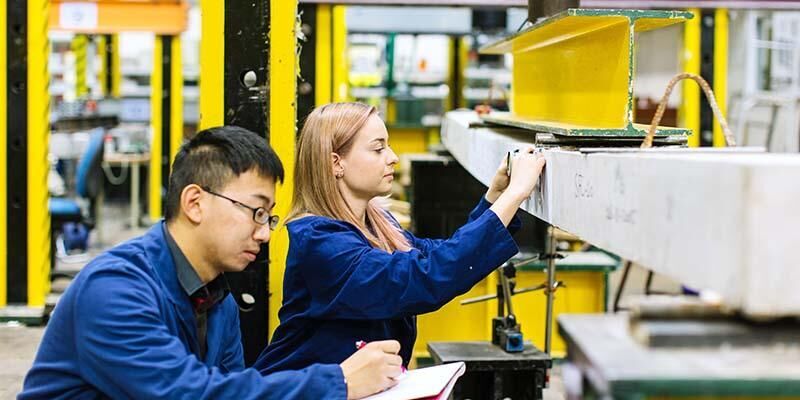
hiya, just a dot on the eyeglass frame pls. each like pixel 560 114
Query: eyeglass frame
pixel 271 221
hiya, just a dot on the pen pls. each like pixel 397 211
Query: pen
pixel 360 345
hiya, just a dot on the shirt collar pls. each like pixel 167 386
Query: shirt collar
pixel 191 283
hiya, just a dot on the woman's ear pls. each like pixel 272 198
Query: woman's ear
pixel 190 203
pixel 336 165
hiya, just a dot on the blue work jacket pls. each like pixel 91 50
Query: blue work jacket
pixel 338 289
pixel 125 329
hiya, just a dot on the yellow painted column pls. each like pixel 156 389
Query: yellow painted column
pixel 176 99
pixel 3 159
pixel 102 54
pixel 79 47
pixel 156 130
pixel 463 49
pixel 341 64
pixel 282 78
pixel 212 55
pixel 689 110
pixel 452 71
pixel 720 70
pixel 114 71
pixel 323 93
pixel 38 167
pixel 116 68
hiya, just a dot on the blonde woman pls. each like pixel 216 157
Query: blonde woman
pixel 351 273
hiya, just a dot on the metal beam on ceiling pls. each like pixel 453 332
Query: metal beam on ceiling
pixel 651 4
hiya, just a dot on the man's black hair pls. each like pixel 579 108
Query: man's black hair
pixel 215 156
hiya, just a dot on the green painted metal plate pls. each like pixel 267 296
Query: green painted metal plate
pixel 563 129
pixel 588 261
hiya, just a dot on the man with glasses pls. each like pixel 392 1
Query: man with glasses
pixel 152 317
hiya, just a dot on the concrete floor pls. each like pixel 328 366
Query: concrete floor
pixel 18 343
pixel 18 346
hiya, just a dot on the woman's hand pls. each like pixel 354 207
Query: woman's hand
pixel 525 170
pixel 499 182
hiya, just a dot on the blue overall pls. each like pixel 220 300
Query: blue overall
pixel 125 329
pixel 338 289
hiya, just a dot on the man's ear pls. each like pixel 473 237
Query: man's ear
pixel 190 203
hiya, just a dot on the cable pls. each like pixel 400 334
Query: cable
pixel 113 179
pixel 712 101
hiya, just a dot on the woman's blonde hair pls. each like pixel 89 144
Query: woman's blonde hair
pixel 332 128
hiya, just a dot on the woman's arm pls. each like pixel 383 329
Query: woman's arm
pixel 349 279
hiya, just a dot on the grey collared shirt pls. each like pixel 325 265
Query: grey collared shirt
pixel 199 293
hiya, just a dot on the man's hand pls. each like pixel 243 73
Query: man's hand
pixel 372 369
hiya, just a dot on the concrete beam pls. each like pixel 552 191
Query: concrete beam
pixel 719 219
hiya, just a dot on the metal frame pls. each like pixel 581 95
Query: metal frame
pixel 671 4
pixel 307 78
pixel 237 40
pixel 25 219
pixel 160 17
pixel 4 34
pixel 166 117
pixel 282 82
pixel 17 156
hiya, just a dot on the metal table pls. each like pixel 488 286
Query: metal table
pixel 613 365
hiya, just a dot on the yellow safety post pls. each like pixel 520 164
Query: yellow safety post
pixel 38 166
pixel 323 92
pixel 165 118
pixel 116 68
pixel 689 110
pixel 341 63
pixel 720 70
pixel 282 78
pixel 103 72
pixel 175 98
pixel 156 129
pixel 212 56
pixel 3 158
pixel 463 50
pixel 109 68
pixel 79 47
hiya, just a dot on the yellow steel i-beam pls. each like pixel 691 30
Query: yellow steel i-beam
pixel 176 98
pixel 573 73
pixel 156 127
pixel 689 110
pixel 212 55
pixel 720 70
pixel 3 159
pixel 38 166
pixel 323 93
pixel 282 79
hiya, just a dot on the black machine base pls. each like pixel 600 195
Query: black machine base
pixel 494 374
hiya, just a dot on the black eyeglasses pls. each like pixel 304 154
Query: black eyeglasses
pixel 260 214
